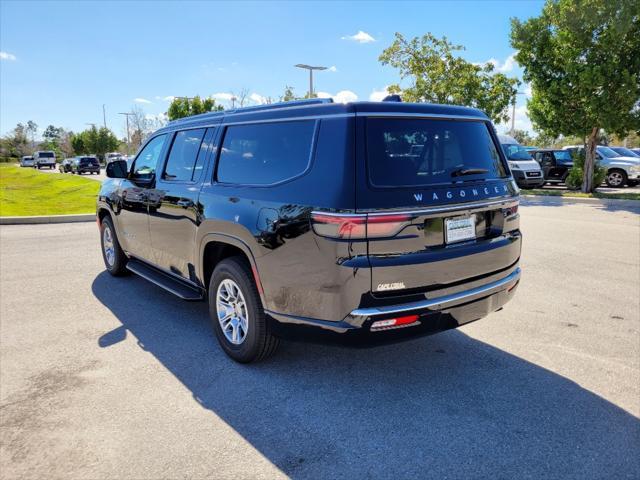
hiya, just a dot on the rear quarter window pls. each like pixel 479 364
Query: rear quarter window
pixel 265 154
pixel 422 152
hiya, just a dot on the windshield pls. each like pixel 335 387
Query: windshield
pixel 563 156
pixel 624 151
pixel 516 152
pixel 607 152
pixel 410 152
pixel 45 154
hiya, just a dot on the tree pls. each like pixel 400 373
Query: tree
pixel 185 107
pixel 288 95
pixel 15 143
pixel 53 134
pixel 522 137
pixel 94 141
pixel 582 60
pixel 439 76
pixel 31 129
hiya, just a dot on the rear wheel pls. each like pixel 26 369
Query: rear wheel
pixel 114 258
pixel 616 178
pixel 237 316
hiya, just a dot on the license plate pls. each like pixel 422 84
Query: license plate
pixel 459 229
pixel 534 174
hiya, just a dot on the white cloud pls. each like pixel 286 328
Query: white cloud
pixel 257 98
pixel 168 98
pixel 222 96
pixel 522 121
pixel 343 96
pixel 332 68
pixel 360 37
pixel 508 65
pixel 378 95
pixel 7 56
pixel 141 100
pixel 528 91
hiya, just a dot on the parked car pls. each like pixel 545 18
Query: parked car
pixel 525 170
pixel 621 170
pixel 45 158
pixel 65 166
pixel 285 219
pixel 109 157
pixel 555 163
pixel 85 164
pixel 27 161
pixel 625 152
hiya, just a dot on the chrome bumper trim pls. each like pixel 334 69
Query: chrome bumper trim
pixel 440 303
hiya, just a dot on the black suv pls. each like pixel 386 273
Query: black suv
pixel 373 221
pixel 555 163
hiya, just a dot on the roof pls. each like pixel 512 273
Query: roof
pixel 547 150
pixel 320 107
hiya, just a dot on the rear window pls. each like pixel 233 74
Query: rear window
pixel 412 152
pixel 266 153
pixel 45 154
pixel 88 160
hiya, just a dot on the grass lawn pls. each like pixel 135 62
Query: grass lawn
pixel 26 191
pixel 569 193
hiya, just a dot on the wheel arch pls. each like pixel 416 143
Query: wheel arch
pixel 215 247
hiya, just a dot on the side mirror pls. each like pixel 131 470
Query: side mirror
pixel 117 169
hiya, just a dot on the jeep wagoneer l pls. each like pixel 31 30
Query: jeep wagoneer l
pixel 367 220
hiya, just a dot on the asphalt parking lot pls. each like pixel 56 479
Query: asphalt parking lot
pixel 109 378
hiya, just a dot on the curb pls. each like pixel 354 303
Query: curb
pixel 620 202
pixel 83 217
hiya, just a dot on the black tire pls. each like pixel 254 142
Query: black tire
pixel 616 178
pixel 118 267
pixel 259 343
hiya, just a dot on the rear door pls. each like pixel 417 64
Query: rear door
pixel 440 202
pixel 174 212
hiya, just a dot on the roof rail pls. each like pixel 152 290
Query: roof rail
pixel 292 103
pixel 256 108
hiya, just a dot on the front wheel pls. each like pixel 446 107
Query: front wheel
pixel 237 316
pixel 114 258
pixel 616 178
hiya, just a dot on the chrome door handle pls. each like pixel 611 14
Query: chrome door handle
pixel 185 203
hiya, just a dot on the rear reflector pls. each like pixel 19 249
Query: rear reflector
pixel 353 227
pixel 509 212
pixel 394 322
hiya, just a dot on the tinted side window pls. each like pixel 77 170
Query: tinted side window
pixel 183 156
pixel 265 153
pixel 145 164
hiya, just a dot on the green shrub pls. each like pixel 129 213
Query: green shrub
pixel 574 178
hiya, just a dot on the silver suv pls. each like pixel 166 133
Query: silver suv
pixel 621 170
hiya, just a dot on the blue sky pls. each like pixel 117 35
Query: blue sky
pixel 61 61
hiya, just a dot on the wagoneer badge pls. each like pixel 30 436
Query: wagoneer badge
pixel 479 192
pixel 390 286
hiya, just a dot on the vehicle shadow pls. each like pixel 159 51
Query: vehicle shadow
pixel 441 406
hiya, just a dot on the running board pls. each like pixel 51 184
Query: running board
pixel 163 280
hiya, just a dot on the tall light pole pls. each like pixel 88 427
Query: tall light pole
pixel 126 114
pixel 311 69
pixel 104 116
pixel 513 113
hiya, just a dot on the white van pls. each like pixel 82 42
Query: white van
pixel 44 158
pixel 525 170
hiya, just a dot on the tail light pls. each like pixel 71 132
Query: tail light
pixel 353 227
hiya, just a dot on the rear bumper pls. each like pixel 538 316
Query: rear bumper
pixel 434 314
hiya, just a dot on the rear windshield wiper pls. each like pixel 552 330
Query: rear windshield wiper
pixel 468 171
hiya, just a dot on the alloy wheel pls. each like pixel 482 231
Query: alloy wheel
pixel 232 311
